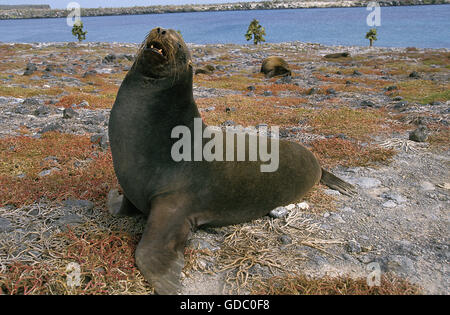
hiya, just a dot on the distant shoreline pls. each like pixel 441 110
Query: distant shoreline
pixel 33 13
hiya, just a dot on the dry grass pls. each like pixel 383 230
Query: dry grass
pixel 100 93
pixel 250 111
pixel 294 102
pixel 79 170
pixel 439 59
pixel 354 123
pixel 440 138
pixel 348 88
pixel 17 91
pixel 304 285
pixel 422 62
pixel 319 201
pixel 8 50
pixel 192 261
pixel 35 256
pixel 424 91
pixel 277 88
pixel 95 101
pixel 234 82
pixel 349 70
pixel 252 251
pixel 402 64
pixel 106 263
pixel 335 151
pixel 358 83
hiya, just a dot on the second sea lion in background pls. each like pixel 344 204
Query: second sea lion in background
pixel 274 66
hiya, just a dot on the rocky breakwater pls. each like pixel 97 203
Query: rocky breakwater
pixel 38 12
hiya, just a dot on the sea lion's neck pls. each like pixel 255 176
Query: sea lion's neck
pixel 170 97
pixel 161 103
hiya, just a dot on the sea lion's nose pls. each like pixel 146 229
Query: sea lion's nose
pixel 161 31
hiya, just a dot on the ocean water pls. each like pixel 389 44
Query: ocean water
pixel 406 26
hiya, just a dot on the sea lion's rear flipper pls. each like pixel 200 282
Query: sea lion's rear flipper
pixel 336 183
pixel 160 253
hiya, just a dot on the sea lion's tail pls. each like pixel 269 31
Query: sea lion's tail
pixel 336 183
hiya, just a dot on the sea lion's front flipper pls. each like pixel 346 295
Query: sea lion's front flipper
pixel 160 253
pixel 119 205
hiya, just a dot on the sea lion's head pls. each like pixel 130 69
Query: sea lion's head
pixel 163 54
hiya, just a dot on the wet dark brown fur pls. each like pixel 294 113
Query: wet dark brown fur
pixel 274 66
pixel 178 197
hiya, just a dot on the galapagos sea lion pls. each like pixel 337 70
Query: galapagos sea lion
pixel 274 66
pixel 337 55
pixel 208 69
pixel 154 99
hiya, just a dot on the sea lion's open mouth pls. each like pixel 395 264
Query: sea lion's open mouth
pixel 163 53
pixel 157 48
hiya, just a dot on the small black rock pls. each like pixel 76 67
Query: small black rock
pixel 401 105
pixel 5 225
pixel 353 247
pixel 284 80
pixel 367 103
pixel 129 57
pixel 31 102
pixel 78 203
pixel 50 127
pixel 230 109
pixel 285 239
pixel 229 123
pixel 89 73
pixel 414 74
pixel 19 109
pixel 30 69
pixel 42 111
pixel 419 135
pixel 69 113
pixel 391 88
pixel 313 90
pixel 101 140
pixel 109 58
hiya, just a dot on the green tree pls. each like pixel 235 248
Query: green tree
pixel 372 35
pixel 78 32
pixel 255 31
